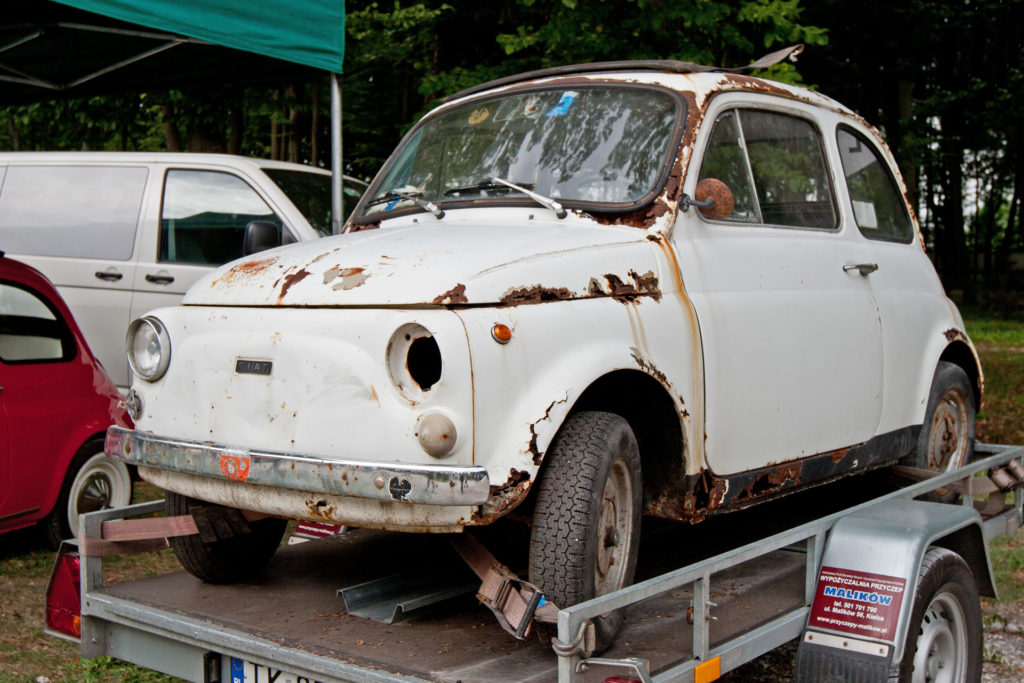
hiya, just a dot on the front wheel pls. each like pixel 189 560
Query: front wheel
pixel 944 634
pixel 94 481
pixel 228 548
pixel 586 521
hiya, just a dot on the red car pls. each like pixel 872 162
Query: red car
pixel 56 403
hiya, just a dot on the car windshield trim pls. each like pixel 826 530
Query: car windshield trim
pixel 636 177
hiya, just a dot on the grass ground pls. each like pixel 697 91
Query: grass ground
pixel 27 655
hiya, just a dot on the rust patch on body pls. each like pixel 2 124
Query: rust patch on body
pixel 504 498
pixel 455 295
pixel 350 278
pixel 290 281
pixel 642 285
pixel 954 334
pixel 536 294
pixel 244 270
pixel 321 510
pixel 649 368
pixel 532 448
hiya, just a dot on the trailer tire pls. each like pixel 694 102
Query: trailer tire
pixel 945 623
pixel 228 548
pixel 947 436
pixel 586 520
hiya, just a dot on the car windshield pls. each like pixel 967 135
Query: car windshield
pixel 311 194
pixel 603 145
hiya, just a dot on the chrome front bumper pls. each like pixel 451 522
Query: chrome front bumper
pixel 421 484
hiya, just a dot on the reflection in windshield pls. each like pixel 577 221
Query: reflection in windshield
pixel 603 145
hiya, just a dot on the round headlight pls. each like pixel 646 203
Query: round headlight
pixel 149 348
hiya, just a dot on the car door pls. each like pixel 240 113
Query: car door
pixel 789 326
pixel 78 225
pixel 202 215
pixel 37 351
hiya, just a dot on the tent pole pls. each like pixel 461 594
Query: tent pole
pixel 337 173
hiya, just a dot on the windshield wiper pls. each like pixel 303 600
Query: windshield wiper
pixel 414 197
pixel 546 202
pixel 489 184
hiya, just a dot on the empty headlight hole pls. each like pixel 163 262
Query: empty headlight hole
pixel 414 360
pixel 424 362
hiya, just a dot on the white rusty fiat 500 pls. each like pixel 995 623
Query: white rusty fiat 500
pixel 588 293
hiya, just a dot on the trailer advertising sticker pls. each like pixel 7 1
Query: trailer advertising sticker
pixel 858 603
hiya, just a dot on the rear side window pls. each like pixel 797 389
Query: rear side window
pixel 775 166
pixel 878 205
pixel 77 211
pixel 31 331
pixel 204 216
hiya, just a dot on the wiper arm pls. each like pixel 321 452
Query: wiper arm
pixel 486 185
pixel 546 202
pixel 413 197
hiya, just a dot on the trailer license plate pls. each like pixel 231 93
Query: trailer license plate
pixel 248 672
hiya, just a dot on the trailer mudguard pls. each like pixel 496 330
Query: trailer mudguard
pixel 867 580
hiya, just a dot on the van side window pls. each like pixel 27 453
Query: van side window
pixel 878 205
pixel 77 211
pixel 782 158
pixel 204 215
pixel 30 331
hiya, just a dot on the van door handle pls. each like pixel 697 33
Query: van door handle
pixel 108 275
pixel 864 268
pixel 159 279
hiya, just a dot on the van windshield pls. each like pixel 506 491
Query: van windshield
pixel 311 194
pixel 604 145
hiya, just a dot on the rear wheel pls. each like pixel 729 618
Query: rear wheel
pixel 586 521
pixel 947 436
pixel 94 481
pixel 944 635
pixel 227 548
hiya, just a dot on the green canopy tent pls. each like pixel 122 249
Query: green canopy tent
pixel 77 48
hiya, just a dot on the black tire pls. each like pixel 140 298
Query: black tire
pixel 94 481
pixel 946 442
pixel 586 520
pixel 944 634
pixel 227 547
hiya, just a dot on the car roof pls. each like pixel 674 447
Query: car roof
pixel 50 157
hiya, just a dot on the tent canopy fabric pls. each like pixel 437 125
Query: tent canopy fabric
pixel 50 50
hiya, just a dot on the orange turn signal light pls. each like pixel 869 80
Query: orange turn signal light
pixel 501 333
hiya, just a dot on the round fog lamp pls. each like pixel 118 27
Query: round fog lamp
pixel 149 348
pixel 436 434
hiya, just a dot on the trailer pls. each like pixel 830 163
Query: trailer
pixel 870 574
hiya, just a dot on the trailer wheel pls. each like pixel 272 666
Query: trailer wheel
pixel 227 547
pixel 94 481
pixel 944 634
pixel 947 435
pixel 586 521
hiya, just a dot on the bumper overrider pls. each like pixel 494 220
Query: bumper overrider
pixel 403 483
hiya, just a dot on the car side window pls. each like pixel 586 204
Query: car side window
pixel 204 215
pixel 31 331
pixel 774 164
pixel 878 206
pixel 76 211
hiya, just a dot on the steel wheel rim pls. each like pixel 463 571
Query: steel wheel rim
pixel 614 529
pixel 101 483
pixel 941 655
pixel 947 447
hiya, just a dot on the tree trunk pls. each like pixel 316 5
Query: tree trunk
pixel 314 134
pixel 12 130
pixel 171 133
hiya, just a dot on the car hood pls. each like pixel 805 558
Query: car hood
pixel 442 263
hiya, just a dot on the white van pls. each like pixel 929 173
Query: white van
pixel 122 233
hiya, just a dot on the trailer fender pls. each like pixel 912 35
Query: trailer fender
pixel 868 575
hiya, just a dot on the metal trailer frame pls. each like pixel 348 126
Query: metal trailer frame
pixel 194 649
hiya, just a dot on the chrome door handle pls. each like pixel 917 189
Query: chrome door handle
pixel 160 279
pixel 108 276
pixel 864 268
